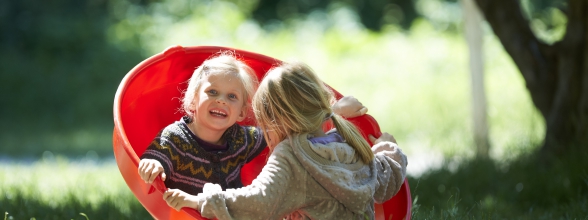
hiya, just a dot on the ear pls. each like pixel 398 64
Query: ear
pixel 193 104
pixel 192 108
pixel 243 113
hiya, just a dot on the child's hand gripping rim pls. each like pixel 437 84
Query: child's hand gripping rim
pixel 160 186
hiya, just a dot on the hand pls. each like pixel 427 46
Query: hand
pixel 177 199
pixel 384 137
pixel 349 107
pixel 149 169
pixel 386 145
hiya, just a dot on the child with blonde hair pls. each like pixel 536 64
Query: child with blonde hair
pixel 310 174
pixel 206 144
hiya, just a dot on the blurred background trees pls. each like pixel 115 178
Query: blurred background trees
pixel 553 67
pixel 373 14
pixel 58 74
pixel 61 62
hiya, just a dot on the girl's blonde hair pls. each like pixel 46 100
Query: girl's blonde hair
pixel 224 63
pixel 291 99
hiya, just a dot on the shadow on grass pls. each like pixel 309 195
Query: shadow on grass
pixel 527 188
pixel 24 207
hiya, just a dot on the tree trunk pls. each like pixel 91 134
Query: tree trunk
pixel 475 38
pixel 555 75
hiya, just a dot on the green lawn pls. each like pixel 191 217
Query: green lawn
pixel 57 188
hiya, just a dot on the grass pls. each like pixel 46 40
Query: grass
pixel 526 188
pixel 416 84
pixel 59 188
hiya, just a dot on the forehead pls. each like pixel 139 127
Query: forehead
pixel 228 80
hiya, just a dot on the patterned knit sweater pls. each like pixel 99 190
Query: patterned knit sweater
pixel 188 166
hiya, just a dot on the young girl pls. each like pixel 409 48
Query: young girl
pixel 309 174
pixel 207 145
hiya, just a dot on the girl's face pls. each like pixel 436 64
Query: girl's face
pixel 219 103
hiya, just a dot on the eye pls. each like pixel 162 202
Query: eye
pixel 212 92
pixel 232 96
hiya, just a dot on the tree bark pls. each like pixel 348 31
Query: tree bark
pixel 555 75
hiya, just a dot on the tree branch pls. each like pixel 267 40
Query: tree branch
pixel 535 60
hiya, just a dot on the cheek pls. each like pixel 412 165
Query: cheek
pixel 274 140
pixel 239 105
pixel 198 100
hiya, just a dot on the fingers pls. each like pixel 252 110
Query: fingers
pixel 149 170
pixel 386 137
pixel 363 110
pixel 171 198
pixel 392 139
pixel 372 138
pixel 154 173
pixel 176 199
pixel 349 107
pixel 140 169
pixel 148 173
pixel 144 171
pixel 166 194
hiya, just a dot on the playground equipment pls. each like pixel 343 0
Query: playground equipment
pixel 147 100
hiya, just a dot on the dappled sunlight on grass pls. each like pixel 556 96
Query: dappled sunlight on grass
pixel 521 189
pixel 55 184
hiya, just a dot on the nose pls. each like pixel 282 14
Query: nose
pixel 220 100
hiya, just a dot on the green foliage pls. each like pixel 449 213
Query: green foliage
pixel 526 188
pixel 421 95
pixel 58 75
pixel 58 68
pixel 547 18
pixel 373 14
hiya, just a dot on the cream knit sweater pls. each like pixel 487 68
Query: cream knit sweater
pixel 302 180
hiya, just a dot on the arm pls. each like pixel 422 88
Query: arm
pixel 391 165
pixel 152 160
pixel 268 192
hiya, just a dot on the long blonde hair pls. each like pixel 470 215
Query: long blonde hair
pixel 291 99
pixel 224 62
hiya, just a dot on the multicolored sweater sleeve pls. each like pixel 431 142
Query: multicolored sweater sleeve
pixel 188 166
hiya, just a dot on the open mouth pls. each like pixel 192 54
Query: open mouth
pixel 218 113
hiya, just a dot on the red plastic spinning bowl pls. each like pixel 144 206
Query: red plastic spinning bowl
pixel 147 100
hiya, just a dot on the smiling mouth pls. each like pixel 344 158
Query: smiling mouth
pixel 218 113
